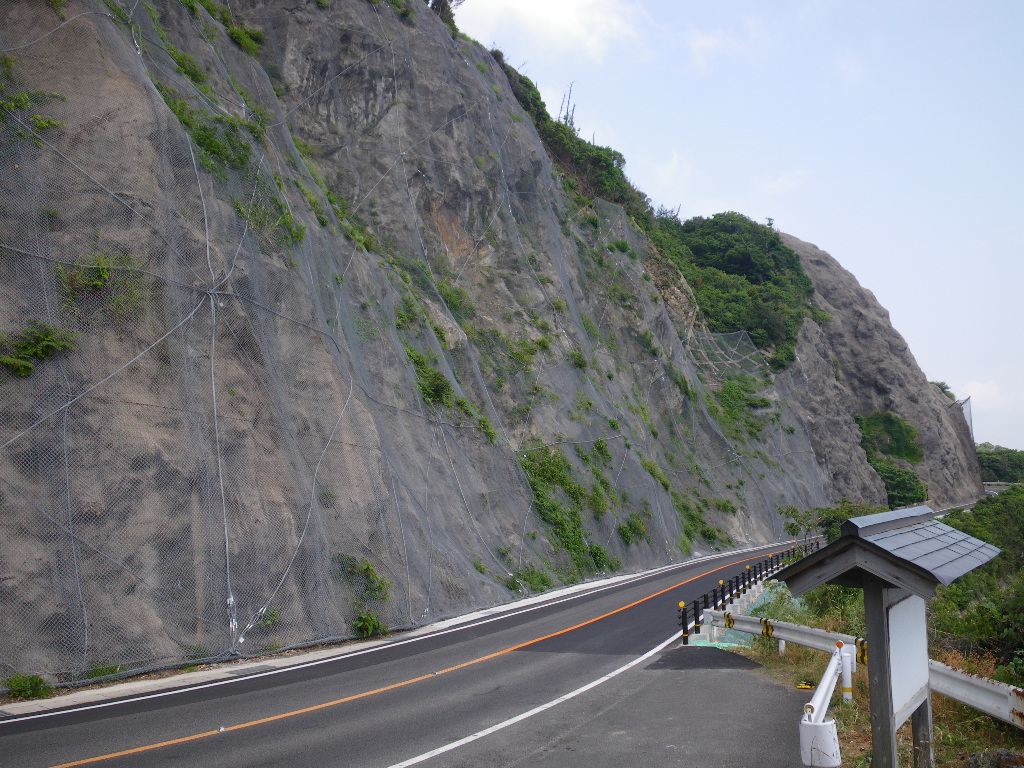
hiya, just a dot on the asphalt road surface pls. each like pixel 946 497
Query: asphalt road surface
pixel 512 689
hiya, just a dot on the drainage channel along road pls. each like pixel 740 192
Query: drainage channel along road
pixel 591 678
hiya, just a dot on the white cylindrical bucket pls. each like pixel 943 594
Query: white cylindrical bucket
pixel 819 744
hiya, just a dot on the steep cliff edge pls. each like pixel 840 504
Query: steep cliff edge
pixel 295 302
pixel 873 370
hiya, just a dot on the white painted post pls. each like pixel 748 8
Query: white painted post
pixel 847 676
pixel 782 647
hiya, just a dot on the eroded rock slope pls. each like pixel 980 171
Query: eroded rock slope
pixel 318 315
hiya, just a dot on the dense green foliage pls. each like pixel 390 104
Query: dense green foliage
pixel 367 587
pixel 589 170
pixel 443 9
pixel 885 432
pixel 433 385
pixel 634 530
pixel 744 277
pixel 656 472
pixel 984 609
pixel 535 578
pixel 739 408
pixel 459 302
pixel 220 138
pixel 20 352
pixel 823 520
pixel 558 499
pixel 902 486
pixel 695 526
pixel 884 437
pixel 1000 465
pixel 976 624
pixel 27 686
pixel 246 38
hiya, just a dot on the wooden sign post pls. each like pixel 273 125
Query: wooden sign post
pixel 898 558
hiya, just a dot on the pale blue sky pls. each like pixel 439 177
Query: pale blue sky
pixel 888 134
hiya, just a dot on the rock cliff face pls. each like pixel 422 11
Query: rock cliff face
pixel 860 365
pixel 334 319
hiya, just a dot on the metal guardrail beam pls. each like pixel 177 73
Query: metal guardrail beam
pixel 810 637
pixel 1002 701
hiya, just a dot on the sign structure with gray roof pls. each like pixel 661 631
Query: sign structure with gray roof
pixel 905 548
pixel 898 558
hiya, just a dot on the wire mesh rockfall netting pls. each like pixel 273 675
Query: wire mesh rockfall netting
pixel 216 437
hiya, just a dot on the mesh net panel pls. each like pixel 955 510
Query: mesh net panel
pixel 239 427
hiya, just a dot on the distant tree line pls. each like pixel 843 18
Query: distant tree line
pixel 1000 465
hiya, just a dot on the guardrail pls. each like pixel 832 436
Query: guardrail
pixel 1002 701
pixel 737 588
pixel 784 631
pixel 819 740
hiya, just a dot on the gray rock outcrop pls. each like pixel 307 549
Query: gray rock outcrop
pixel 329 299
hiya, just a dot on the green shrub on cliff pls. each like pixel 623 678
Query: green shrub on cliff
pixel 884 437
pixel 742 274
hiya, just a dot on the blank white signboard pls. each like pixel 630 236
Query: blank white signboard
pixel 908 656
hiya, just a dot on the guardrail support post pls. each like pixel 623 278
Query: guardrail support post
pixel 684 623
pixel 819 740
pixel 696 617
pixel 847 676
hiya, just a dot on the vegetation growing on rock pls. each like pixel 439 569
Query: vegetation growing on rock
pixel 893 437
pixel 743 276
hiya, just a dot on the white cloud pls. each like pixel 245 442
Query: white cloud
pixel 785 183
pixel 592 27
pixel 704 45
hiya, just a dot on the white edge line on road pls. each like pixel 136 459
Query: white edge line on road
pixel 536 710
pixel 618 582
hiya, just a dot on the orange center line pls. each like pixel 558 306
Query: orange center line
pixel 411 681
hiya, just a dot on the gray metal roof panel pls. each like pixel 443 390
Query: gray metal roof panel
pixel 892 519
pixel 943 551
pixel 905 547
